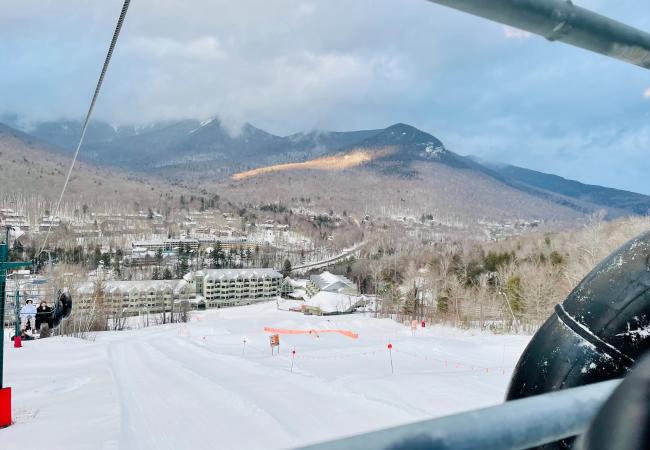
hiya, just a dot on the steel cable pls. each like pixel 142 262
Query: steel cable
pixel 107 60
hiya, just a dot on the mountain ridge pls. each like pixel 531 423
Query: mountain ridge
pixel 189 149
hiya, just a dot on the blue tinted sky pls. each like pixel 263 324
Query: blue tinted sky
pixel 290 65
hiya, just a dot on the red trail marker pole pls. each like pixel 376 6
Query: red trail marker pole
pixel 5 407
pixel 293 355
pixel 390 352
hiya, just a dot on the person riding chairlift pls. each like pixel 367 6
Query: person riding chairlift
pixel 27 315
pixel 43 315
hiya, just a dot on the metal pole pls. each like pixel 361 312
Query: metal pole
pixel 514 425
pixel 3 300
pixel 5 265
pixel 561 20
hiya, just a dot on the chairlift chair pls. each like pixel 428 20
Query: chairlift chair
pixel 61 309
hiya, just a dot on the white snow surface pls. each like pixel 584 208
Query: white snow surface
pixel 191 386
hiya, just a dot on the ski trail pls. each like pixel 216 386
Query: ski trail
pixel 196 412
pixel 279 393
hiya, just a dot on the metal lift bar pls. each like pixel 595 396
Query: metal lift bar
pixel 561 20
pixel 514 425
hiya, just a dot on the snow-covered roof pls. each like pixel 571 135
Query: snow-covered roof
pixel 301 295
pixel 296 283
pixel 331 302
pixel 130 286
pixel 327 281
pixel 233 274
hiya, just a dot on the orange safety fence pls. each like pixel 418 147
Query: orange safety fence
pixel 346 333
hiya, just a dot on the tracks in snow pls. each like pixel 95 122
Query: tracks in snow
pixel 206 397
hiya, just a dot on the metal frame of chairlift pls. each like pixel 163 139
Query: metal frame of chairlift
pixel 515 425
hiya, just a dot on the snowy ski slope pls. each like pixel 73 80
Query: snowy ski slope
pixel 191 386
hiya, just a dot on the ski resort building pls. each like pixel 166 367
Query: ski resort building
pixel 10 218
pixel 197 290
pixel 194 243
pixel 133 297
pixel 233 287
pixel 329 282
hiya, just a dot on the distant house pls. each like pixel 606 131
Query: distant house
pixel 328 282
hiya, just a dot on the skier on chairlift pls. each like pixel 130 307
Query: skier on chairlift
pixel 27 315
pixel 43 316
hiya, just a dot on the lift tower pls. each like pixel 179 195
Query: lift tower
pixel 5 266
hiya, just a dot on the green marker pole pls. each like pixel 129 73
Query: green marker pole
pixel 3 299
pixel 5 266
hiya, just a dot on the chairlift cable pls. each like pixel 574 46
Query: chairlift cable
pixel 116 34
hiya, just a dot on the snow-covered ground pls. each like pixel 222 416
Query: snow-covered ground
pixel 192 386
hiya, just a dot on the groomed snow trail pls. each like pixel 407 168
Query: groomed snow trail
pixel 196 385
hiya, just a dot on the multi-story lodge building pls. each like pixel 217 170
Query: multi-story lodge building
pixel 9 217
pixel 194 243
pixel 232 287
pixel 214 288
pixel 133 297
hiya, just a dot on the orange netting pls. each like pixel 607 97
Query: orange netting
pixel 347 333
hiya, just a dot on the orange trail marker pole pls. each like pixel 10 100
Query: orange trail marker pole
pixel 275 342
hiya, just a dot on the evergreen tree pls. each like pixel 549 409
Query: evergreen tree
pixel 167 274
pixel 182 267
pixel 442 303
pixel 97 257
pixel 286 268
pixel 106 260
pixel 218 255
pixel 514 292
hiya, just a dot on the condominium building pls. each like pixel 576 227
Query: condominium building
pixel 197 290
pixel 231 287
pixel 133 297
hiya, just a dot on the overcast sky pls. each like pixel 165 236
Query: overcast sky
pixel 294 65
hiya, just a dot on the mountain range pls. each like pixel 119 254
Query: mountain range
pixel 196 153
